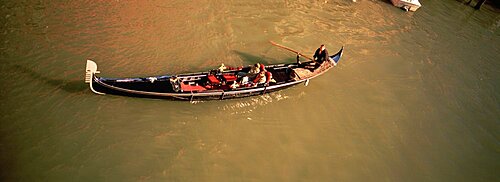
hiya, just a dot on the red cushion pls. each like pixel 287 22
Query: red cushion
pixel 189 88
pixel 229 78
pixel 212 79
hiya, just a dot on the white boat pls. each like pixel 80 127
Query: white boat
pixel 411 5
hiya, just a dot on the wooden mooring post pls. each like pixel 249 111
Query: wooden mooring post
pixel 479 4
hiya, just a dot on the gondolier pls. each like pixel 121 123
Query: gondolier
pixel 321 55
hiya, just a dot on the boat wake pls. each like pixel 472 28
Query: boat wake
pixel 249 105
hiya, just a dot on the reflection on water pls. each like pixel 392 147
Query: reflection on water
pixel 414 98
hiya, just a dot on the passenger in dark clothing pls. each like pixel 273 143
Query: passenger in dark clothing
pixel 321 54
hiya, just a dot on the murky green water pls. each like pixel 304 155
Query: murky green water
pixel 415 98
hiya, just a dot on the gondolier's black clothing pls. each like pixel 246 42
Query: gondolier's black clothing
pixel 320 57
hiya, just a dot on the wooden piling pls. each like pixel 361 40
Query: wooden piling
pixel 479 4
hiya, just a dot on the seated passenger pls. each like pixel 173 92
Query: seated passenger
pixel 234 85
pixel 262 67
pixel 245 82
pixel 269 78
pixel 221 68
pixel 254 70
pixel 260 78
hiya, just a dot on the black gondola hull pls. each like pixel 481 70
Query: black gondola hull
pixel 197 86
pixel 101 87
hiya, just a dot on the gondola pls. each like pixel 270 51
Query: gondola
pixel 210 85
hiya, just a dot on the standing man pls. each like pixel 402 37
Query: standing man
pixel 321 55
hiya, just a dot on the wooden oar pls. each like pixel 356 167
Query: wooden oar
pixel 290 49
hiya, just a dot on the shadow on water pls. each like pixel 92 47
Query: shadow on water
pixel 251 59
pixel 387 1
pixel 71 86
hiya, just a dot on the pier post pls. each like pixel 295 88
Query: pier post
pixel 479 4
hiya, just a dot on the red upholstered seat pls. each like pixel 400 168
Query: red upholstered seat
pixel 213 80
pixel 229 78
pixel 189 88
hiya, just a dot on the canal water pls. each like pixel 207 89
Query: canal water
pixel 414 98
